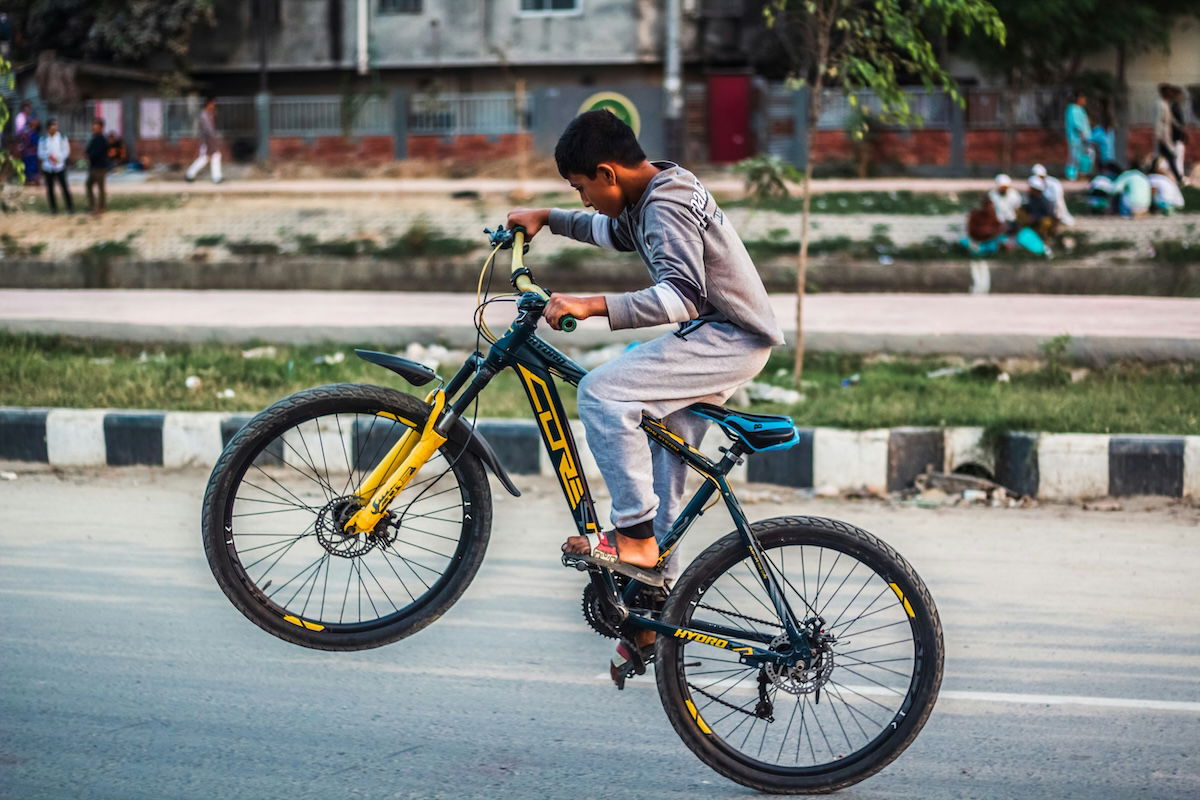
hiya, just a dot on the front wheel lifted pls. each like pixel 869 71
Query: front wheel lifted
pixel 275 513
pixel 802 729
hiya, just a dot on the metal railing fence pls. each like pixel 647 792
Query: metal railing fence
pixel 490 113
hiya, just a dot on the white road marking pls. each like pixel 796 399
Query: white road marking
pixel 989 697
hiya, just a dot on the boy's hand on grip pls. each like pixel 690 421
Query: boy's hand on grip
pixel 565 305
pixel 531 219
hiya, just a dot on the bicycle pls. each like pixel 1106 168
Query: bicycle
pixel 794 655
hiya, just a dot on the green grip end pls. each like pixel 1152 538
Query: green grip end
pixel 568 323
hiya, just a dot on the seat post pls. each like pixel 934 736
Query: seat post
pixel 733 456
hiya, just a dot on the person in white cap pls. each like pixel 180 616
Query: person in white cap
pixel 1038 212
pixel 1005 200
pixel 1054 194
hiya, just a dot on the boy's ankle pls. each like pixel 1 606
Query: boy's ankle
pixel 637 550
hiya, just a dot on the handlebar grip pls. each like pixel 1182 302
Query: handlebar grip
pixel 568 323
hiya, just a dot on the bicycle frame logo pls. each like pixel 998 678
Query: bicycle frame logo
pixel 558 441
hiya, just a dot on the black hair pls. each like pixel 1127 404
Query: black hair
pixel 209 99
pixel 98 121
pixel 51 121
pixel 593 138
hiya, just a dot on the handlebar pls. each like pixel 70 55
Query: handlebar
pixel 522 278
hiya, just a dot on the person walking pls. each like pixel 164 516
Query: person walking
pixel 1164 139
pixel 1078 129
pixel 31 134
pixel 98 164
pixel 1178 132
pixel 54 151
pixel 210 143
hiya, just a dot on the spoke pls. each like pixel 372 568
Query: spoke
pixel 419 547
pixel 842 686
pixel 280 539
pixel 281 486
pixel 370 572
pixel 312 462
pixel 872 647
pixel 291 510
pixel 838 717
pixel 276 561
pixel 752 595
pixel 857 594
pixel 337 418
pixel 852 671
pixel 410 569
pixel 853 567
pixel 820 727
pixel 828 575
pixel 315 563
pixel 392 567
pixel 247 567
pixel 881 627
pixel 787 730
pixel 855 713
pixel 324 565
pixel 864 613
pixel 298 504
pixel 875 664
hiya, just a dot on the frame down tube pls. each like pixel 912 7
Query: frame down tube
pixel 556 434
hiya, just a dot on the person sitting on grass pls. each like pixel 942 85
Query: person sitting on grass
pixel 702 276
pixel 1037 213
pixel 1132 194
pixel 985 232
pixel 1006 201
pixel 1055 196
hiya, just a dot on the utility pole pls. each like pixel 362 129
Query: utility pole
pixel 673 86
pixel 363 53
pixel 262 101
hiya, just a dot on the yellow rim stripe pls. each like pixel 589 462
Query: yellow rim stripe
pixel 303 623
pixel 696 716
pixel 903 599
pixel 401 420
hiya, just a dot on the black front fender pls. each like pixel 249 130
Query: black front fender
pixel 412 371
pixel 464 434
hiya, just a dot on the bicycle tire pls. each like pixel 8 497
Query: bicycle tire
pixel 251 446
pixel 714 747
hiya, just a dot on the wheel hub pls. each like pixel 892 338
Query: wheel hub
pixel 332 534
pixel 795 679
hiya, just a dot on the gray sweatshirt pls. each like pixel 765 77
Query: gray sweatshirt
pixel 700 267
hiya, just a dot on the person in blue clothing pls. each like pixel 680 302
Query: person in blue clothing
pixel 1078 130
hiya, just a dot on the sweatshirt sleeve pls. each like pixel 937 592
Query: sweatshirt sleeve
pixel 591 228
pixel 676 253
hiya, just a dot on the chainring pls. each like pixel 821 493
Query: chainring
pixel 650 599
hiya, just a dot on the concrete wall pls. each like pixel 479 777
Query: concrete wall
pixel 447 33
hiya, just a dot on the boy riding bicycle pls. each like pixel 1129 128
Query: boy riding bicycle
pixel 703 279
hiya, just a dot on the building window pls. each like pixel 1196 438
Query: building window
pixel 400 6
pixel 564 7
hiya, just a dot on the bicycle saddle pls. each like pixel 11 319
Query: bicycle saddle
pixel 760 432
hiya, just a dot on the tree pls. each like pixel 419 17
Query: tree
pixel 149 34
pixel 10 165
pixel 867 45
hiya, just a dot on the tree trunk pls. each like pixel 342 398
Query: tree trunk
pixel 1122 110
pixel 814 113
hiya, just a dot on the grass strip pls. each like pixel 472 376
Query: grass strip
pixel 53 371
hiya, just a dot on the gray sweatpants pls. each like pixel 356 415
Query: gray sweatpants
pixel 660 377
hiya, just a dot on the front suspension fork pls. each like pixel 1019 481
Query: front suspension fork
pixel 386 481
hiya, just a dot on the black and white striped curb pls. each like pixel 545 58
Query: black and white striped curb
pixel 1056 466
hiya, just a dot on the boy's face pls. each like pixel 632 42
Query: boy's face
pixel 602 192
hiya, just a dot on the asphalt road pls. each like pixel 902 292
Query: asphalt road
pixel 1073 649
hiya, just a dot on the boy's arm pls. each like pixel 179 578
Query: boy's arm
pixel 677 263
pixel 591 228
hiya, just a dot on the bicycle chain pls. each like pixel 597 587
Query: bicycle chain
pixel 742 616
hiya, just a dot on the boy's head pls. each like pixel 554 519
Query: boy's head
pixel 97 126
pixel 596 154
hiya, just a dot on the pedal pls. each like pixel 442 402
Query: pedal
pixel 573 560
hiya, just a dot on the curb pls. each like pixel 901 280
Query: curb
pixel 1054 466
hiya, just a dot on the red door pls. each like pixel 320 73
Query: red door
pixel 728 118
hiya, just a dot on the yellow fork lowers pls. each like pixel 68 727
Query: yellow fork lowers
pixel 386 481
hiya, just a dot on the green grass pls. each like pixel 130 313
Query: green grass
pixel 115 201
pixel 902 202
pixel 1131 398
pixel 51 371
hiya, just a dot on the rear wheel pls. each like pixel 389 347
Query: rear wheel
pixel 282 491
pixel 871 685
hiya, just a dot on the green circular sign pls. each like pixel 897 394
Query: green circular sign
pixel 618 105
